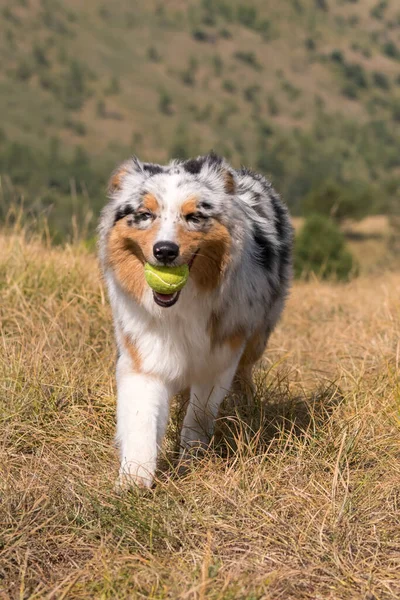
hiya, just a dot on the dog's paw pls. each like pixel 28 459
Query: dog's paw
pixel 137 480
pixel 189 456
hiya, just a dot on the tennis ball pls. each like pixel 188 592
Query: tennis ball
pixel 166 280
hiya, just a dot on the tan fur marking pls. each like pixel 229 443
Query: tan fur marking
pixel 115 182
pixel 254 349
pixel 128 250
pixel 230 186
pixel 189 206
pixel 133 353
pixel 234 339
pixel 150 202
pixel 213 251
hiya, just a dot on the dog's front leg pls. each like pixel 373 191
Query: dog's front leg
pixel 205 400
pixel 142 415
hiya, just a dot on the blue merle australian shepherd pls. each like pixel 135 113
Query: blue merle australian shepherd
pixel 234 232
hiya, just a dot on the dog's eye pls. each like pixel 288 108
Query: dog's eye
pixel 194 218
pixel 143 217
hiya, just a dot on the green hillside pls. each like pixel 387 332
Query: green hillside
pixel 304 90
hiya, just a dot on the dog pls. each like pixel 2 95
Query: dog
pixel 234 232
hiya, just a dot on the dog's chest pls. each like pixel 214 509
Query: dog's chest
pixel 180 351
pixel 173 344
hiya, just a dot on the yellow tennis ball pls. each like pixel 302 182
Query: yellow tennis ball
pixel 166 280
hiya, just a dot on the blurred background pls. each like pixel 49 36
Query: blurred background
pixel 305 91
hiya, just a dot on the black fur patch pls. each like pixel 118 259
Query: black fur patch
pixel 213 159
pixel 123 211
pixel 152 169
pixel 266 251
pixel 194 165
pixel 258 204
pixel 285 256
pixel 280 216
pixel 205 205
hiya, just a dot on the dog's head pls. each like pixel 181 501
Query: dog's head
pixel 169 215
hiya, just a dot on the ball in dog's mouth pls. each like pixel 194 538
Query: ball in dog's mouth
pixel 165 300
pixel 163 277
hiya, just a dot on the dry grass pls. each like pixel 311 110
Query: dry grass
pixel 298 499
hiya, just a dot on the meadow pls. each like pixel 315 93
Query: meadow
pixel 298 497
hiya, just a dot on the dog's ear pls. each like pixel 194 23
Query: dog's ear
pixel 213 164
pixel 116 180
pixel 230 183
pixel 220 165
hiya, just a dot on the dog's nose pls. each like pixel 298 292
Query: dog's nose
pixel 165 252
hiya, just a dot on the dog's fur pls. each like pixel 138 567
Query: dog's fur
pixel 234 231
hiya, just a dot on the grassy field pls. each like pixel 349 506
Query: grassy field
pixel 298 498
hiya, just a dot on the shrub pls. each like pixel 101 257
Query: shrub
pixel 165 103
pixel 391 50
pixel 292 92
pixel 322 5
pixel 356 73
pixel 310 44
pixel 229 86
pixel 248 58
pixel 346 201
pixel 188 76
pixel 247 15
pixel 52 20
pixel 378 12
pixel 337 56
pixel 24 71
pixel 39 54
pixel 76 126
pixel 264 29
pixel 225 33
pixel 273 106
pixel 250 93
pixel 381 80
pixel 10 16
pixel 350 91
pixel 320 249
pixel 49 82
pixel 153 54
pixel 396 111
pixel 200 35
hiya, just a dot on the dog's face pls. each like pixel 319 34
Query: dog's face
pixel 170 215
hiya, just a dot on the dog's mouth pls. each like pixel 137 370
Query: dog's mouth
pixel 165 300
